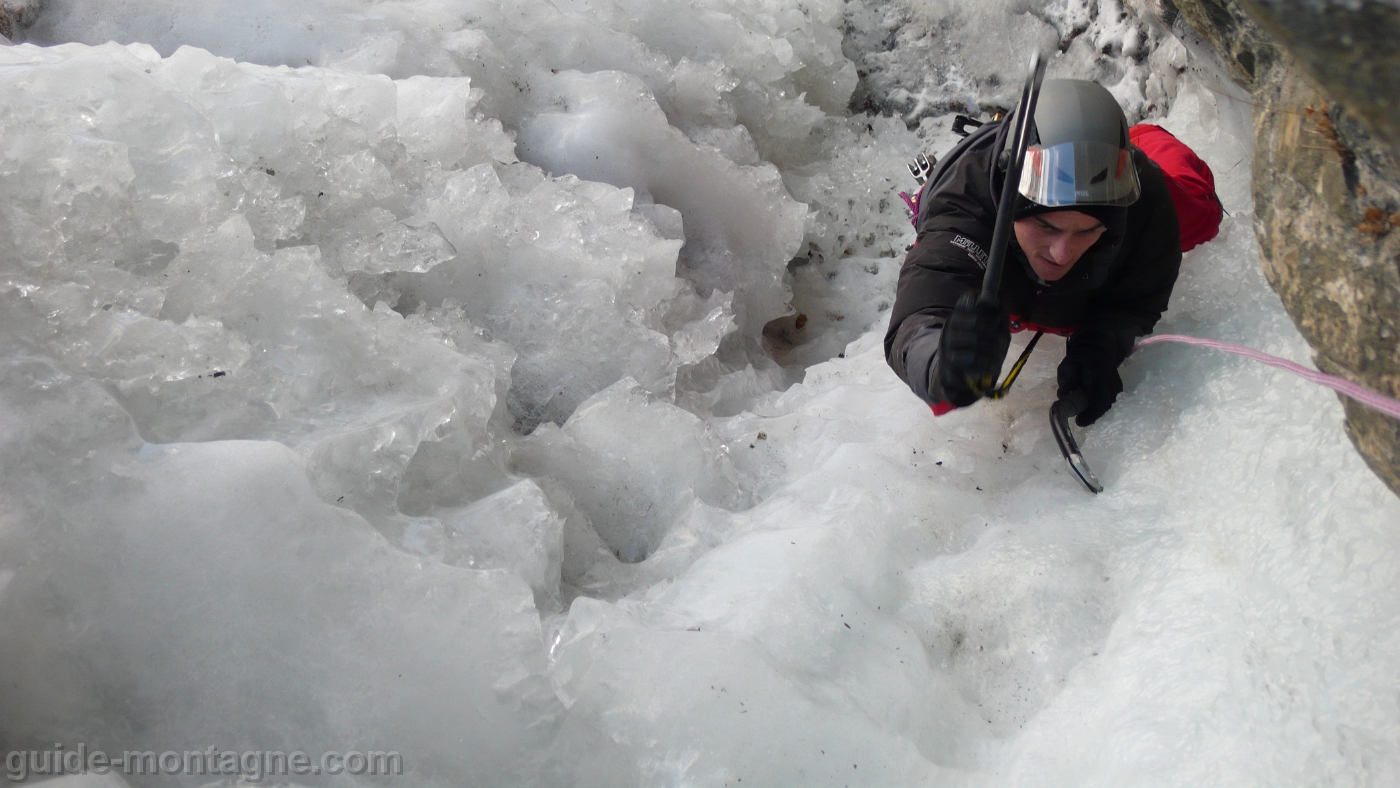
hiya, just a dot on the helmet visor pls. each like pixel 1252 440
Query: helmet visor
pixel 1079 173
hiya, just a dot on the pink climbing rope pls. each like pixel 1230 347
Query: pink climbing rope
pixel 1365 396
pixel 913 204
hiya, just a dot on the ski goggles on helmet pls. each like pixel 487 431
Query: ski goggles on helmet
pixel 1079 173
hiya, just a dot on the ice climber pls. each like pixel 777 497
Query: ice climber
pixel 1094 255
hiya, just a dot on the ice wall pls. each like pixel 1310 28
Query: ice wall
pixel 278 316
pixel 923 58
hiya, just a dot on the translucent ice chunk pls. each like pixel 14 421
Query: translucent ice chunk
pixel 376 242
pixel 432 117
pixel 222 558
pixel 515 529
pixel 632 463
pixel 741 226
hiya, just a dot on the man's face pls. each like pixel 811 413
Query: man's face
pixel 1054 242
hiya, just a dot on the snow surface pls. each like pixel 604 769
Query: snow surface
pixel 501 384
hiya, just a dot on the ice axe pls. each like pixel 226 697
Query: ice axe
pixel 1014 158
pixel 1061 412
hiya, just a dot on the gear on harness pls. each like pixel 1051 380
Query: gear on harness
pixel 961 122
pixel 920 168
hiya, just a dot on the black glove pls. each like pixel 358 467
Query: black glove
pixel 1090 370
pixel 971 350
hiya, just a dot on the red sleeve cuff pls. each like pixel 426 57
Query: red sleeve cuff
pixel 941 408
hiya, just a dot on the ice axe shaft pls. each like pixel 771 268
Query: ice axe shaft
pixel 1015 157
pixel 1006 205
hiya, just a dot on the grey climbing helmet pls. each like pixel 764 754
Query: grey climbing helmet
pixel 1079 153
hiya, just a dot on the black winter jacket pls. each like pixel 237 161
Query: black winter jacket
pixel 1114 294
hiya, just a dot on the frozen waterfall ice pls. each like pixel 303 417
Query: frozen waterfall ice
pixel 500 384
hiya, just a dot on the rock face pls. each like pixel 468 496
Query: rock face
pixel 1351 47
pixel 16 15
pixel 1326 184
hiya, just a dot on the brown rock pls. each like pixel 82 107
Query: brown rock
pixel 1245 48
pixel 1350 47
pixel 1326 184
pixel 16 15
